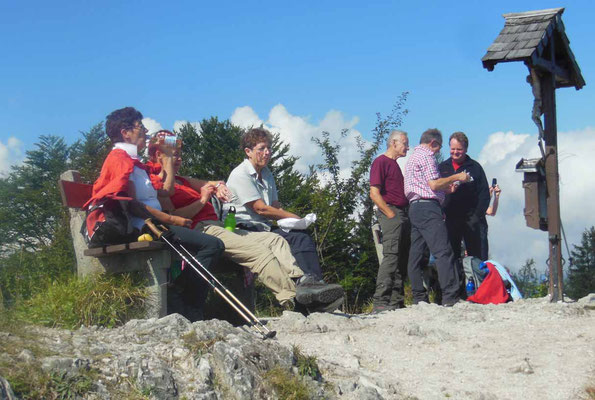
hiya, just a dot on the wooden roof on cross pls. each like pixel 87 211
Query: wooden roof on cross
pixel 528 36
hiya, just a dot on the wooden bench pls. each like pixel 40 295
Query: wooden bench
pixel 153 259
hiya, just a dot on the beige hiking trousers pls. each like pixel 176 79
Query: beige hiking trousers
pixel 264 253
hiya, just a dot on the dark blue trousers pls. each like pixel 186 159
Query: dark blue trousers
pixel 428 230
pixel 303 249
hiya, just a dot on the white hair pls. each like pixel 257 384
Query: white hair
pixel 393 136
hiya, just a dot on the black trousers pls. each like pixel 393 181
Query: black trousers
pixel 483 236
pixel 467 228
pixel 428 230
pixel 189 285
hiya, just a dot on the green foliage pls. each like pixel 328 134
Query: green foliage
pixel 101 300
pixel 344 212
pixel 581 274
pixel 266 304
pixel 30 208
pixel 211 152
pixel 87 155
pixel 306 365
pixel 25 273
pixel 528 281
pixel 29 381
pixel 286 385
pixel 35 244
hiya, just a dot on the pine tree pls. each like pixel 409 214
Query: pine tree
pixel 581 275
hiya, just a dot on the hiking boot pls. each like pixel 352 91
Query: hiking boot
pixel 328 308
pixel 310 291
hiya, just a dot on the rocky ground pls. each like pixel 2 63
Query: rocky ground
pixel 530 349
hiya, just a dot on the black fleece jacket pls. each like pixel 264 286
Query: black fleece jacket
pixel 471 198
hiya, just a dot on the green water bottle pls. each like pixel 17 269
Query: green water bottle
pixel 230 219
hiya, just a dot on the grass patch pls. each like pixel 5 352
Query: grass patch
pixel 29 381
pixel 306 365
pixel 266 303
pixel 196 346
pixel 100 300
pixel 286 385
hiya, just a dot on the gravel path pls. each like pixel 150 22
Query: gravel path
pixel 530 349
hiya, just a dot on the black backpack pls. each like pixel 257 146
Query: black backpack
pixel 107 223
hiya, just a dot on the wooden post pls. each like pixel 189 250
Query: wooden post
pixel 548 96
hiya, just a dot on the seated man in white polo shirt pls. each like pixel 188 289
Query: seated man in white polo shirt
pixel 254 195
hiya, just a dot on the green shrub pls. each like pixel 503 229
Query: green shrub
pixel 286 385
pixel 24 273
pixel 101 300
pixel 306 365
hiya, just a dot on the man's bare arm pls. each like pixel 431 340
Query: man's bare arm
pixel 379 201
pixel 443 184
pixel 270 212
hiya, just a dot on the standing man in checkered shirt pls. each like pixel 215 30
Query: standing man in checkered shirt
pixel 425 191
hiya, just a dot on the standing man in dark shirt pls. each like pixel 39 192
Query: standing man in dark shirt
pixel 387 192
pixel 465 209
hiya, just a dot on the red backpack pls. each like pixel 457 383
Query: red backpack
pixel 492 289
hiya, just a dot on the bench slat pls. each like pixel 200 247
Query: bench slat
pixel 123 248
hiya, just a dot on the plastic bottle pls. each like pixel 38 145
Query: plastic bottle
pixel 230 219
pixel 483 270
pixel 470 287
pixel 171 141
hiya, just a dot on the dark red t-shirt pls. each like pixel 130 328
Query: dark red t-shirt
pixel 386 174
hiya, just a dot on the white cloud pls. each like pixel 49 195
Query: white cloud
pixel 11 153
pixel 245 117
pixel 180 123
pixel 152 125
pixel 511 241
pixel 298 131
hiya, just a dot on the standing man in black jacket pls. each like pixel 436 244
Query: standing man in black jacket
pixel 465 209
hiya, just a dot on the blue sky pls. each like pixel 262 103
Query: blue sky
pixel 66 65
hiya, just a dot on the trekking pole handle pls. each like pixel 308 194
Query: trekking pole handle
pixel 153 228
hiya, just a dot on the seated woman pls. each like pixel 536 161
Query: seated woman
pixel 123 175
pixel 266 254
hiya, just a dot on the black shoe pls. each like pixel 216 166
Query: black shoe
pixel 452 302
pixel 310 291
pixel 328 308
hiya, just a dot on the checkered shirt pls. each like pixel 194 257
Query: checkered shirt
pixel 421 168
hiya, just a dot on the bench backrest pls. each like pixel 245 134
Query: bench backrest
pixel 75 194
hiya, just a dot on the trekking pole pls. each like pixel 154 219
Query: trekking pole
pixel 211 280
pixel 255 319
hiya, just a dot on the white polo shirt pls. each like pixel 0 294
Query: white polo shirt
pixel 245 188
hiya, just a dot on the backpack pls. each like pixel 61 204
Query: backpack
pixel 107 223
pixel 493 284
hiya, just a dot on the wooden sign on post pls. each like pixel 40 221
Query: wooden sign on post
pixel 538 39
